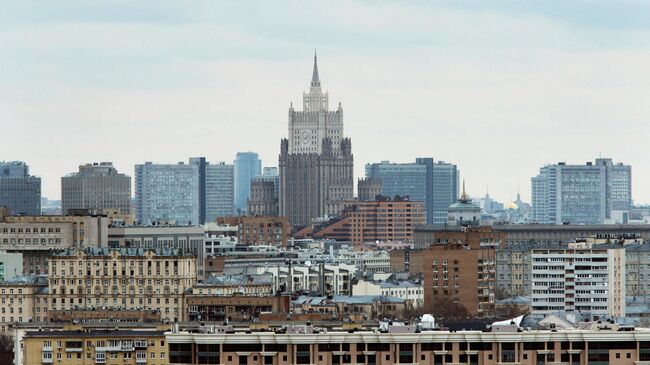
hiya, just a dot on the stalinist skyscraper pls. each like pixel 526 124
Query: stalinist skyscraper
pixel 316 164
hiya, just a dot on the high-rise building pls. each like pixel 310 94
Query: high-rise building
pixel 167 193
pixel 433 183
pixel 581 194
pixel 219 191
pixel 247 166
pixel 96 186
pixel 19 191
pixel 316 162
pixel 368 189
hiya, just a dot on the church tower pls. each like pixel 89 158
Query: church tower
pixel 316 163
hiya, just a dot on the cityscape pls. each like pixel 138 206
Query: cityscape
pixel 311 254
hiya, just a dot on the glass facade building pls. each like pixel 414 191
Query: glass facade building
pixel 433 183
pixel 247 166
pixel 19 191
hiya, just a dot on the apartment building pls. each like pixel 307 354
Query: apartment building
pixel 22 299
pixel 305 345
pixel 127 278
pixel 577 279
pixel 117 347
pixel 514 265
pixel 404 289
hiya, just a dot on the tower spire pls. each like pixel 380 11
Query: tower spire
pixel 463 196
pixel 315 80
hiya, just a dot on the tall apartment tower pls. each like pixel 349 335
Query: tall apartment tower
pixel 19 191
pixel 96 186
pixel 167 193
pixel 247 166
pixel 581 194
pixel 433 183
pixel 316 162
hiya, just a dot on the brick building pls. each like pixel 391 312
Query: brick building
pixel 259 230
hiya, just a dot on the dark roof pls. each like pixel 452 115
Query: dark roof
pixel 95 333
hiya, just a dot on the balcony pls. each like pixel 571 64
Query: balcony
pixel 140 344
pixel 47 359
pixel 100 358
pixel 47 348
pixel 110 348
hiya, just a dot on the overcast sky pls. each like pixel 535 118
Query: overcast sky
pixel 499 88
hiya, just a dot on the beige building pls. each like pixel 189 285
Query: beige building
pixel 37 236
pixel 306 346
pixel 130 278
pixel 22 299
pixel 121 347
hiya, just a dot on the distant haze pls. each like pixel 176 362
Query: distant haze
pixel 498 88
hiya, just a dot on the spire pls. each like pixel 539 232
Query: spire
pixel 463 196
pixel 315 80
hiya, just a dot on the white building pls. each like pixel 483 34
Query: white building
pixel 578 279
pixel 406 290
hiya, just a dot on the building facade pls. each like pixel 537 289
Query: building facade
pixel 129 278
pixel 581 194
pixel 259 230
pixel 19 191
pixel 129 347
pixel 167 193
pixel 316 162
pixel 574 279
pixel 368 189
pixel 247 166
pixel 425 348
pixel 433 183
pixel 97 186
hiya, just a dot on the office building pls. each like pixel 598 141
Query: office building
pixel 316 162
pixel 578 279
pixel 247 166
pixel 167 193
pixel 98 187
pixel 581 194
pixel 19 191
pixel 216 186
pixel 264 196
pixel 433 183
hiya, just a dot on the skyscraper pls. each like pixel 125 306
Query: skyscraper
pixel 581 194
pixel 316 162
pixel 247 166
pixel 19 191
pixel 96 186
pixel 433 183
pixel 167 193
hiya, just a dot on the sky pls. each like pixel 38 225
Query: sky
pixel 498 88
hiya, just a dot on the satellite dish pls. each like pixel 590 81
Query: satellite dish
pixel 308 263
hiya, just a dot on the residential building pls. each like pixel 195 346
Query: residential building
pixel 259 230
pixel 308 345
pixel 576 278
pixel 19 191
pixel 263 201
pixel 581 194
pixel 247 166
pixel 167 193
pixel 127 278
pixel 514 264
pixel 97 186
pixel 316 162
pixel 637 270
pixel 433 183
pixel 355 308
pixel 381 220
pixel 76 347
pixel 23 300
pixel 553 233
pixel 233 307
pixel 459 268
